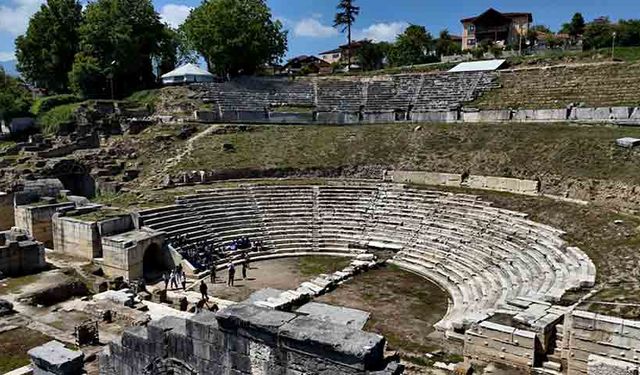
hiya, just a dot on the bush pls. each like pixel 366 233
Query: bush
pixel 51 121
pixel 45 104
pixel 144 98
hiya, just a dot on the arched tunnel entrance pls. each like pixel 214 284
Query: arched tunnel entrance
pixel 154 262
pixel 75 177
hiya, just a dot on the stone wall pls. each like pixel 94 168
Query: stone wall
pixel 7 219
pixel 19 254
pixel 511 185
pixel 501 343
pixel 592 334
pixel 246 339
pixel 620 115
pixel 36 220
pixel 123 254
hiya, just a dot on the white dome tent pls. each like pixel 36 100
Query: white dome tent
pixel 187 73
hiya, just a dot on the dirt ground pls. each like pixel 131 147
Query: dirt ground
pixel 403 306
pixel 287 273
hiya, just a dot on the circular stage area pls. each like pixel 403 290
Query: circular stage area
pixel 482 256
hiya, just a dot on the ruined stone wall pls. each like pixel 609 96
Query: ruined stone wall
pixel 7 219
pixel 500 343
pixel 19 255
pixel 36 220
pixel 243 340
pixel 591 334
pixel 76 238
pixel 122 257
pixel 622 115
pixel 511 185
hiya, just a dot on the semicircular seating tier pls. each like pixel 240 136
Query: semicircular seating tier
pixel 482 256
pixel 385 93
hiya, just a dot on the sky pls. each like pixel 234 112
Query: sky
pixel 309 21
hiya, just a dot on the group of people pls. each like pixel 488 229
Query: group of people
pixel 231 276
pixel 204 254
pixel 177 277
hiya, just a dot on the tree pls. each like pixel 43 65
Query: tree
pixel 445 45
pixel 15 98
pixel 235 36
pixel 345 18
pixel 576 26
pixel 598 34
pixel 628 33
pixel 45 53
pixel 119 39
pixel 371 56
pixel 412 47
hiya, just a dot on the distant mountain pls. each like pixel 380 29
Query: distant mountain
pixel 10 67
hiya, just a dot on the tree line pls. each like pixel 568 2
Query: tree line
pixel 115 47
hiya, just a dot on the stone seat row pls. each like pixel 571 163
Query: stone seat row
pixel 482 255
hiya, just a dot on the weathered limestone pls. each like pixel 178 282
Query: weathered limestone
pixel 606 366
pixel 533 115
pixel 600 335
pixel 335 314
pixel 511 185
pixel 82 239
pixel 244 340
pixel 7 218
pixel 54 358
pixel 36 219
pixel 501 343
pixel 19 254
pixel 123 254
pixel 496 115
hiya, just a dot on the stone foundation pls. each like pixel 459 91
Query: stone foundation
pixel 243 340
pixel 19 254
pixel 123 254
pixel 36 220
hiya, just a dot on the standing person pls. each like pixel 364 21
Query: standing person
pixel 244 270
pixel 165 278
pixel 213 274
pixel 183 278
pixel 174 279
pixel 203 291
pixel 232 274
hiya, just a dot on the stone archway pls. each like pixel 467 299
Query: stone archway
pixel 74 176
pixel 154 262
pixel 169 366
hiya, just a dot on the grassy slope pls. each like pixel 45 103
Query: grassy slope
pixel 524 150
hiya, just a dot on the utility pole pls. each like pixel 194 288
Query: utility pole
pixel 613 46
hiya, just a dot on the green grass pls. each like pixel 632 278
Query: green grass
pixel 315 265
pixel 144 98
pixel 98 215
pixel 14 346
pixel 14 285
pixel 46 103
pixel 50 121
pixel 514 150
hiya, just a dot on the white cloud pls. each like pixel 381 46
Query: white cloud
pixel 7 56
pixel 174 14
pixel 311 27
pixel 382 32
pixel 14 15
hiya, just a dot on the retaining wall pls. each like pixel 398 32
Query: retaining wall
pixel 243 340
pixel 511 185
pixel 36 220
pixel 593 334
pixel 500 343
pixel 621 115
pixel 7 219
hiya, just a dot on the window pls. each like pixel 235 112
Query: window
pixel 471 28
pixel 471 42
